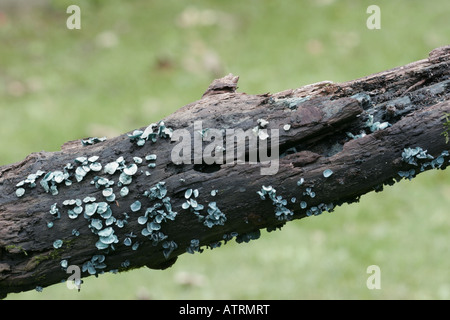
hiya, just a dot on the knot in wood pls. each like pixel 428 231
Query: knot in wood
pixel 227 84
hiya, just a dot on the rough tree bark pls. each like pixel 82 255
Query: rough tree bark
pixel 336 143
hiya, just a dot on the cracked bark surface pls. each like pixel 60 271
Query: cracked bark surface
pixel 404 106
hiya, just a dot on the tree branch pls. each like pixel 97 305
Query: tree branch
pixel 329 144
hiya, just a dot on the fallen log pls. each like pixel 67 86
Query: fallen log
pixel 223 167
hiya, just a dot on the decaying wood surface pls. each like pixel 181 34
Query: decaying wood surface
pixel 319 129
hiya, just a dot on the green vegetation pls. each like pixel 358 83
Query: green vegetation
pixel 446 131
pixel 132 63
pixel 13 248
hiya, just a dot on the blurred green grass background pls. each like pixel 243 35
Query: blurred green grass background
pixel 134 62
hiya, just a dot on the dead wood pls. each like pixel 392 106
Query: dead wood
pixel 330 143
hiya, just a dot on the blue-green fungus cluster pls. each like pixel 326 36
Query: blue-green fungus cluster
pixel 309 192
pixel 86 165
pixel 125 264
pixel 417 156
pixel 159 191
pixel 408 174
pixel 194 246
pixel 52 179
pixel 98 213
pixel 357 136
pixel 152 132
pixel 57 244
pixel 214 244
pixel 113 179
pixel 127 171
pixel 92 140
pixel 64 264
pixel 168 247
pixel 20 192
pixel 259 132
pixel 54 211
pixel 88 266
pixel 370 124
pixel 190 201
pixel 262 123
pixel 29 182
pixel 375 126
pixel 203 133
pixel 157 214
pixel 213 217
pixel 152 164
pixel 76 208
pixel 136 206
pixel 128 241
pixel 246 237
pixel 412 155
pixel 436 163
pixel 327 173
pixel 228 236
pixel 95 265
pixel 316 210
pixel 281 212
pixel 99 216
pixel 106 238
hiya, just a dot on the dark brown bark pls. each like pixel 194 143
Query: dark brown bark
pixel 408 103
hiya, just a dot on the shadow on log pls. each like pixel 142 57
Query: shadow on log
pixel 219 168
